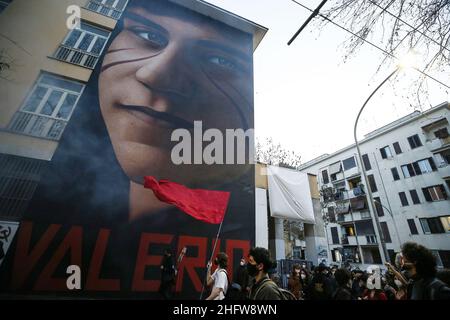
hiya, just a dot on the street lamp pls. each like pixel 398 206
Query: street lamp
pixel 393 220
pixel 381 244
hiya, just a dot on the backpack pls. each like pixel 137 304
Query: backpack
pixel 285 294
pixel 228 294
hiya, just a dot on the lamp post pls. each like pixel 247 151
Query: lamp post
pixel 393 220
pixel 382 243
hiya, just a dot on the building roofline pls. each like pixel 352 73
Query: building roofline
pixel 378 132
pixel 233 20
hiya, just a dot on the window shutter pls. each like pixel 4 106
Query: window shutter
pixel 411 170
pixel 432 164
pixel 411 142
pixel 427 194
pixel 441 186
pixel 417 168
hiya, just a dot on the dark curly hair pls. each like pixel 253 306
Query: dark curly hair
pixel 422 257
pixel 262 255
pixel 342 276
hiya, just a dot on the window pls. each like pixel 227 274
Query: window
pixel 364 227
pixel 426 165
pixel 446 223
pixel 385 230
pixel 425 227
pixel 407 172
pixel 414 196
pixel 419 167
pixel 366 162
pixel 331 215
pixel 412 226
pixel 4 4
pixel 445 258
pixel 397 148
pixel 325 178
pixel 432 225
pixel 443 158
pixel 19 178
pixel 348 230
pixel 372 184
pixel 386 152
pixel 395 174
pixel 434 193
pixel 48 108
pixel 83 45
pixel 414 141
pixel 403 199
pixel 441 133
pixel 349 163
pixel 378 206
pixel 365 215
pixel 110 8
pixel 436 255
pixel 334 235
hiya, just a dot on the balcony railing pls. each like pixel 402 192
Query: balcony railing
pixel 76 56
pixel 37 125
pixel 348 240
pixel 371 239
pixel 357 191
pixel 104 9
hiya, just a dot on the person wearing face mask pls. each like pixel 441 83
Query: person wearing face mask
pixel 294 282
pixel 259 263
pixel 242 277
pixel 219 279
pixel 420 267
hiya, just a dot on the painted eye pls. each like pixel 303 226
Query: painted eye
pixel 156 40
pixel 223 62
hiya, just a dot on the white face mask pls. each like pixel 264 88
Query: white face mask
pixel 398 283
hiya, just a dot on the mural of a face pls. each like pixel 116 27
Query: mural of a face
pixel 167 68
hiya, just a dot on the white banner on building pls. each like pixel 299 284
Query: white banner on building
pixel 8 230
pixel 290 195
pixel 261 225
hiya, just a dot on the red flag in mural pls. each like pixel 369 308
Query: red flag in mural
pixel 205 205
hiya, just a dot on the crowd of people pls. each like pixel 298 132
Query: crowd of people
pixel 413 276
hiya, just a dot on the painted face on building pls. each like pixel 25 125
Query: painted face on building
pixel 167 68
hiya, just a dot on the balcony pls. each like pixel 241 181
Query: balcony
pixel 104 9
pixel 359 203
pixel 356 192
pixel 76 56
pixel 367 240
pixel 37 125
pixel 348 240
pixel 341 196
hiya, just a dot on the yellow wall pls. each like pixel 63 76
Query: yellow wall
pixel 31 33
pixel 261 176
pixel 313 186
pixel 27 146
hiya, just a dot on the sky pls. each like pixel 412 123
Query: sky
pixel 306 96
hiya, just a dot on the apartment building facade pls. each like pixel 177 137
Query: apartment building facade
pixel 49 65
pixel 408 171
